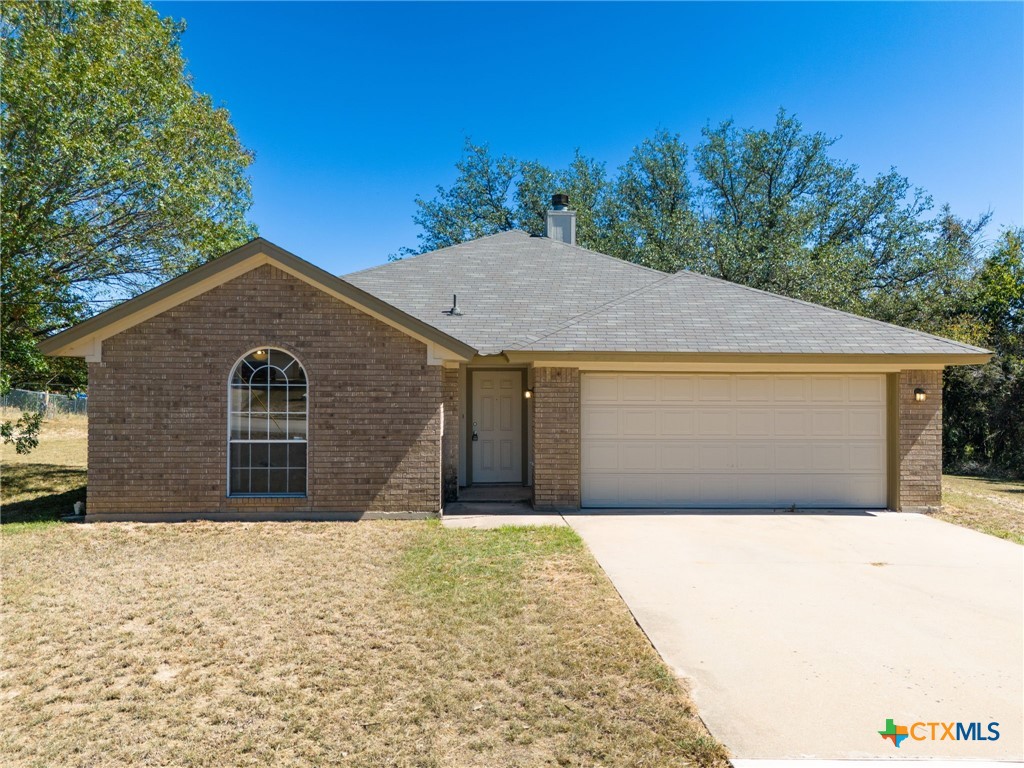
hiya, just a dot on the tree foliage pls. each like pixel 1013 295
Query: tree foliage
pixel 775 209
pixel 116 172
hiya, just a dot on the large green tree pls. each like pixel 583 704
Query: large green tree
pixel 116 173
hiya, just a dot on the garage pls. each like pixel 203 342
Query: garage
pixel 651 440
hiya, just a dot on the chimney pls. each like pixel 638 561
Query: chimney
pixel 561 222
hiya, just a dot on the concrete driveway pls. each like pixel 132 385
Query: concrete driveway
pixel 801 634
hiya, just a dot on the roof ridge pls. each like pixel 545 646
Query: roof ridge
pixel 606 256
pixel 932 336
pixel 593 311
pixel 415 256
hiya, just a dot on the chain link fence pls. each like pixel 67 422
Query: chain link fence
pixel 44 402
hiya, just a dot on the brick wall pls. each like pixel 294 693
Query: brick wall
pixel 920 441
pixel 450 438
pixel 158 405
pixel 555 436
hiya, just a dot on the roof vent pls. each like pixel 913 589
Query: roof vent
pixel 561 221
pixel 455 311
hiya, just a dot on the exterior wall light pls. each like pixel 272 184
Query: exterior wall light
pixel 920 395
pixel 528 394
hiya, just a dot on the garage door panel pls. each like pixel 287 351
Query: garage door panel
pixel 600 456
pixel 791 422
pixel 754 423
pixel 599 388
pixel 638 422
pixel 754 456
pixel 600 422
pixel 867 423
pixel 828 389
pixel 867 389
pixel 790 389
pixel 638 457
pixel 639 389
pixel 677 457
pixel 830 422
pixel 750 440
pixel 673 422
pixel 829 457
pixel 754 389
pixel 677 389
pixel 715 422
pixel 867 457
pixel 602 489
pixel 715 457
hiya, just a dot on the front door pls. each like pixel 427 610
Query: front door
pixel 497 427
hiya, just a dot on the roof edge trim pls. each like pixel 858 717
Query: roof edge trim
pixel 233 264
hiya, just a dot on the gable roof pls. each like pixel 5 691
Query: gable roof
pixel 520 293
pixel 81 340
pixel 511 286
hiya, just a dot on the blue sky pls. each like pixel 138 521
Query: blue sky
pixel 354 109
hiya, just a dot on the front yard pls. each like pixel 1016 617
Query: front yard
pixel 995 507
pixel 368 644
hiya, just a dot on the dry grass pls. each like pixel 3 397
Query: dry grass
pixel 995 507
pixel 368 644
pixel 41 486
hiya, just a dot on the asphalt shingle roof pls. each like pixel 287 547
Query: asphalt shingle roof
pixel 519 292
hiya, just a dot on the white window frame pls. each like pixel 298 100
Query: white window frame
pixel 249 441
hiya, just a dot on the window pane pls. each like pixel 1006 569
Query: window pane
pixel 239 426
pixel 296 426
pixel 296 399
pixel 256 400
pixel 239 481
pixel 296 481
pixel 278 455
pixel 239 455
pixel 278 482
pixel 239 398
pixel 260 455
pixel 278 426
pixel 259 481
pixel 296 455
pixel 278 397
pixel 258 427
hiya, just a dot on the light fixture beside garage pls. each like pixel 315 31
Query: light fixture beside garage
pixel 920 395
pixel 528 394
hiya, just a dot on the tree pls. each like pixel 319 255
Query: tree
pixel 116 172
pixel 653 221
pixel 477 204
pixel 775 209
pixel 983 426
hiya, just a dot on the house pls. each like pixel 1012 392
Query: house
pixel 258 386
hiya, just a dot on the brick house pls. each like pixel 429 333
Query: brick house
pixel 258 386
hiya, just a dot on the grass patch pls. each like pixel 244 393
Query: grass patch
pixel 40 487
pixel 991 506
pixel 288 644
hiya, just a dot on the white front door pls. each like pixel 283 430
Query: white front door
pixel 497 427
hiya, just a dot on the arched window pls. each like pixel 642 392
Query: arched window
pixel 267 425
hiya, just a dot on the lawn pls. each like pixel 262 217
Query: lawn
pixel 43 485
pixel 995 507
pixel 297 644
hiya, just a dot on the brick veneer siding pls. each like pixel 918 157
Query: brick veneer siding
pixel 450 438
pixel 158 406
pixel 555 437
pixel 920 441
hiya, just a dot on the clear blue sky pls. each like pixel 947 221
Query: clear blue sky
pixel 355 109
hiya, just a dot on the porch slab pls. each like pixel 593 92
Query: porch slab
pixel 485 515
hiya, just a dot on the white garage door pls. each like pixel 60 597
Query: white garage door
pixel 733 440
